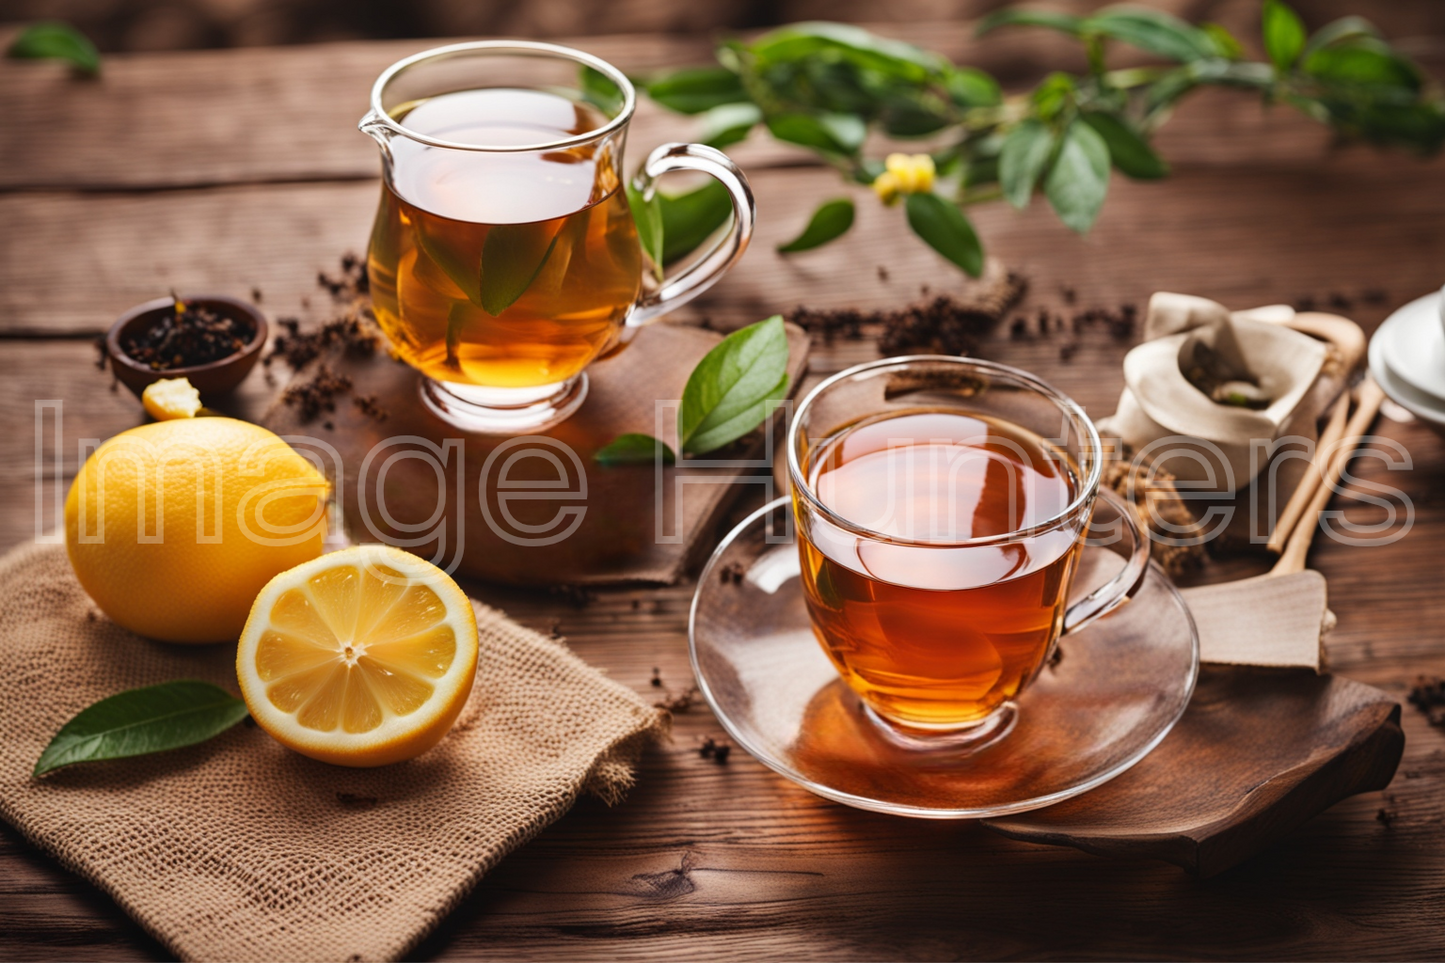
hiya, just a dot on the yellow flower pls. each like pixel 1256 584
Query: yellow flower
pixel 886 186
pixel 914 172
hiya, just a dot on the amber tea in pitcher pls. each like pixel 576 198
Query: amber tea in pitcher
pixel 535 264
pixel 504 257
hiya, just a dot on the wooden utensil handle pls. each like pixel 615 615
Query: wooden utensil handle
pixel 1304 493
pixel 1298 546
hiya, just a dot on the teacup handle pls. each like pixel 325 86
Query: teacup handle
pixel 705 271
pixel 1122 587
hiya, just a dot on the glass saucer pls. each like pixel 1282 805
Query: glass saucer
pixel 1119 686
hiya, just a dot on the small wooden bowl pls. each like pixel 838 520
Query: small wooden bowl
pixel 212 380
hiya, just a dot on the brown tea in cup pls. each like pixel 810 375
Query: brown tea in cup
pixel 936 635
pixel 942 504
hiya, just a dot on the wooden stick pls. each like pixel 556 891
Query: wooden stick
pixel 1293 559
pixel 1304 493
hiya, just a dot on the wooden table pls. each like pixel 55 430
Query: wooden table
pixel 221 171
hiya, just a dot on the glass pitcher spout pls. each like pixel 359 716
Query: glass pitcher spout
pixel 373 126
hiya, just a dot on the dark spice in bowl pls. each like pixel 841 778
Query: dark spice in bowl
pixel 191 334
pixel 210 339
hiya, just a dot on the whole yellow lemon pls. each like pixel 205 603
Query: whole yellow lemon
pixel 174 527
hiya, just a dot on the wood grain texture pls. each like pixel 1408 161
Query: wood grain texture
pixel 1202 230
pixel 600 525
pixel 197 119
pixel 729 862
pixel 1279 747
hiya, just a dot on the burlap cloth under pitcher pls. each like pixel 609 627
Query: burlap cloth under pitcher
pixel 240 849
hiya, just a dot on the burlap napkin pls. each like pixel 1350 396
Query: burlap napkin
pixel 239 849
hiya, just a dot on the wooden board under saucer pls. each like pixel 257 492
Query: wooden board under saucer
pixel 1258 752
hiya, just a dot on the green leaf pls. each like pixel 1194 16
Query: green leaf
pixel 1363 61
pixel 972 88
pixel 832 133
pixel 142 721
pixel 647 215
pixel 1026 151
pixel 1129 151
pixel 1165 92
pixel 831 220
pixel 1079 180
pixel 727 124
pixel 600 91
pixel 512 256
pixel 464 272
pixel 1284 33
pixel 1152 30
pixel 691 218
pixel 1009 17
pixel 696 89
pixel 53 40
pixel 1225 43
pixel 728 392
pixel 942 225
pixel 634 449
pixel 1053 94
pixel 1345 28
pixel 841 41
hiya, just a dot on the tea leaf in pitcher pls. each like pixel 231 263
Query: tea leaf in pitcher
pixel 729 391
pixel 52 40
pixel 512 256
pixel 456 320
pixel 830 221
pixel 634 448
pixel 461 271
pixel 647 215
pixel 142 721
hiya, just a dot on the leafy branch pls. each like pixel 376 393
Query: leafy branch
pixel 825 87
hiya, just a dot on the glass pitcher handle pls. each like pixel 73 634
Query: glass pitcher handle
pixel 705 271
pixel 1122 587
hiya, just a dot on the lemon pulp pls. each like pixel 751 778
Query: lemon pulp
pixel 362 657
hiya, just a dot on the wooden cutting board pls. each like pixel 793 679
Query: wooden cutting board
pixel 415 482
pixel 1257 753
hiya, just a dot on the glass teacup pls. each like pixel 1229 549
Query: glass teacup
pixel 942 504
pixel 504 257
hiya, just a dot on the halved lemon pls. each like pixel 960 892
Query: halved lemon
pixel 362 657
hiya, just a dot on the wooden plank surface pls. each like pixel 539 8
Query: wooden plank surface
pixel 712 861
pixel 1205 229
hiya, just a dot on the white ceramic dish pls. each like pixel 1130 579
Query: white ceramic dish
pixel 1412 344
pixel 1423 406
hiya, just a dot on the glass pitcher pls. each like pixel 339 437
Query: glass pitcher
pixel 504 258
